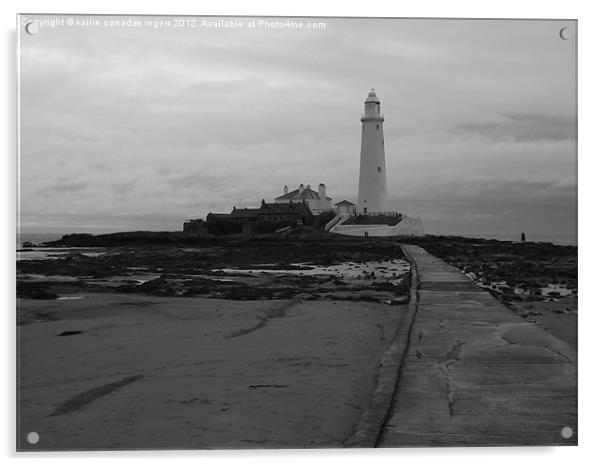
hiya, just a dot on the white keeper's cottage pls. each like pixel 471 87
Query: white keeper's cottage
pixel 317 201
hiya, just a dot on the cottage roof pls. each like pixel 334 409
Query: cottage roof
pixel 244 212
pixel 344 202
pixel 299 194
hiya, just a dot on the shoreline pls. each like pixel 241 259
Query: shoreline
pixel 42 239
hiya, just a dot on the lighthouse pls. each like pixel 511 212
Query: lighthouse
pixel 371 216
pixel 372 193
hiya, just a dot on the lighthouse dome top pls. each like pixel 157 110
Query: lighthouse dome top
pixel 372 97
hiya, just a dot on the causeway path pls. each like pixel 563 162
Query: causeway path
pixel 475 373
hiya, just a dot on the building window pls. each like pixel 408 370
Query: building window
pixel 377 126
pixel 378 169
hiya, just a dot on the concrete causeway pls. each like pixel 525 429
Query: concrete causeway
pixel 475 373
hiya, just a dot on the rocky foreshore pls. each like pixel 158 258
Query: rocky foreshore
pixel 537 280
pixel 236 269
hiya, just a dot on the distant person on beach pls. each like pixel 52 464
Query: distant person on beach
pixel 523 237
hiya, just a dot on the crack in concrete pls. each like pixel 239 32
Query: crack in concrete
pixel 381 330
pixel 510 342
pixel 453 356
pixel 440 323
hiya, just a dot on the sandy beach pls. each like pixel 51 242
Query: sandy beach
pixel 197 373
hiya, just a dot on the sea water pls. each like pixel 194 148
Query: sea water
pixel 37 238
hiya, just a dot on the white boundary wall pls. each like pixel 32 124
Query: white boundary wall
pixel 409 226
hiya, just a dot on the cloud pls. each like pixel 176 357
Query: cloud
pixel 489 207
pixel 521 127
pixel 61 189
pixel 123 189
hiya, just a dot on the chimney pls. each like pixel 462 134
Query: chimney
pixel 322 191
pixel 301 187
pixel 285 189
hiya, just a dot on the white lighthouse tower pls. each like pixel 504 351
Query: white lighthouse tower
pixel 372 217
pixel 372 193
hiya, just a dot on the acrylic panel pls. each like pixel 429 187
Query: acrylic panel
pixel 271 232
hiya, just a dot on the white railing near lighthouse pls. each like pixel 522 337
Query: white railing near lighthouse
pixel 333 222
pixel 380 214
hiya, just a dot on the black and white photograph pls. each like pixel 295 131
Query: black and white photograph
pixel 272 232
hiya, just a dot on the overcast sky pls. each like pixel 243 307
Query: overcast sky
pixel 142 128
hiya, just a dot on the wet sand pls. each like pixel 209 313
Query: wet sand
pixel 177 372
pixel 558 316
